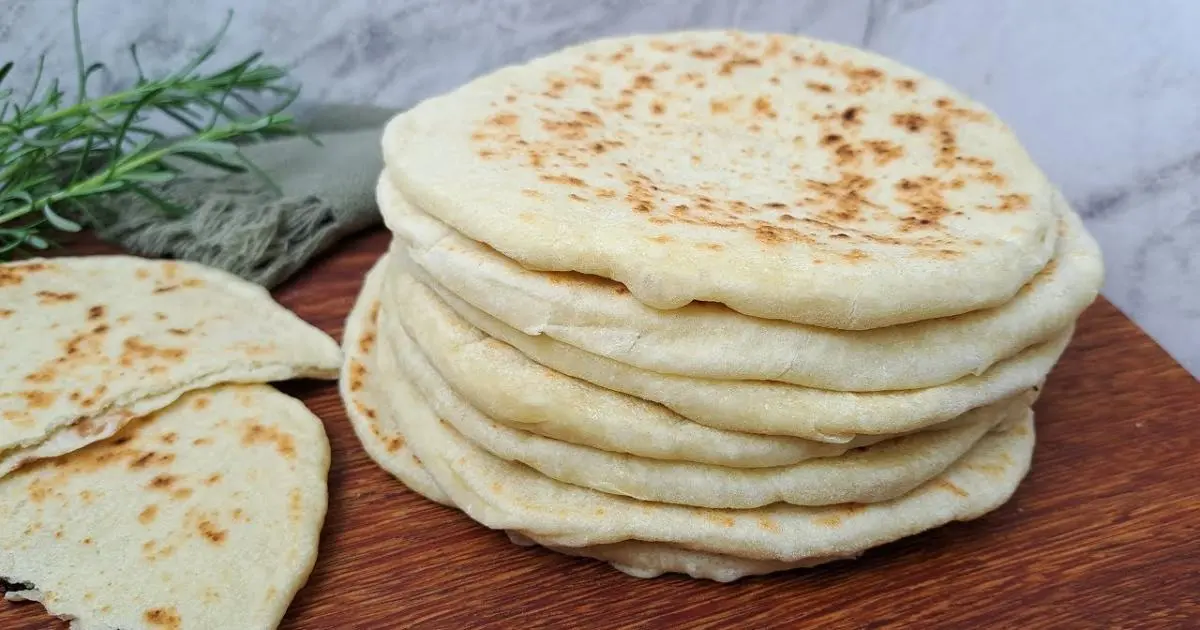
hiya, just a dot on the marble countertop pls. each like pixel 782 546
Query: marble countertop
pixel 1104 93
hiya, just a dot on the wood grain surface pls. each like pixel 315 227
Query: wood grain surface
pixel 1104 532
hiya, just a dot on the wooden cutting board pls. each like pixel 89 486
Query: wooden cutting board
pixel 1104 532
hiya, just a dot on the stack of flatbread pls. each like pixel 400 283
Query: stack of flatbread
pixel 149 478
pixel 712 302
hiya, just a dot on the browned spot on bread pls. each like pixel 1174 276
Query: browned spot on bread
pixel 661 238
pixel 1008 203
pixel 831 520
pixel 830 140
pixel 39 491
pixel 212 479
pixel 394 444
pixel 180 494
pixel 202 441
pixel 643 82
pixel 162 482
pixel 134 350
pixel 504 119
pixel 775 235
pixel 44 375
pixel 88 427
pixel 906 85
pixel 212 533
pixel 862 79
pixel 568 180
pixel 200 403
pixel 763 107
pixel 259 434
pixel 96 312
pixel 738 61
pixel 912 121
pixel 51 297
pixel 844 200
pixel 164 617
pixel 846 155
pixel 884 151
pixel 817 86
pixel 923 196
pixel 709 53
pixel 946 484
pixel 358 373
pixel 14 274
pixel 6 313
pixel 37 399
pixel 767 524
pixel 851 116
pixel 148 515
pixel 366 342
pixel 150 458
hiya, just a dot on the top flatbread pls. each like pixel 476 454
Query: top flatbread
pixel 87 344
pixel 710 341
pixel 785 177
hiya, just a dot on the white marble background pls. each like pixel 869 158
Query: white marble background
pixel 1105 93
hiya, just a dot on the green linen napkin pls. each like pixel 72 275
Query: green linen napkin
pixel 238 223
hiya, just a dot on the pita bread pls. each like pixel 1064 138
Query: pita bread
pixel 646 560
pixel 881 472
pixel 384 443
pixel 785 177
pixel 508 496
pixel 87 344
pixel 205 514
pixel 512 389
pixel 743 406
pixel 710 341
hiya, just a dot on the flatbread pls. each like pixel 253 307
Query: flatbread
pixel 785 177
pixel 508 496
pixel 646 560
pixel 996 465
pixel 383 442
pixel 387 447
pixel 512 389
pixel 710 341
pixel 744 406
pixel 87 344
pixel 881 472
pixel 204 515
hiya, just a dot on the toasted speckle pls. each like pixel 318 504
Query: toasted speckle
pixel 260 434
pixel 948 485
pixel 212 533
pixel 147 515
pixel 163 482
pixel 51 297
pixel 912 122
pixel 163 617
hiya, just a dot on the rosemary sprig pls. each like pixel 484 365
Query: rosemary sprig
pixel 62 163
